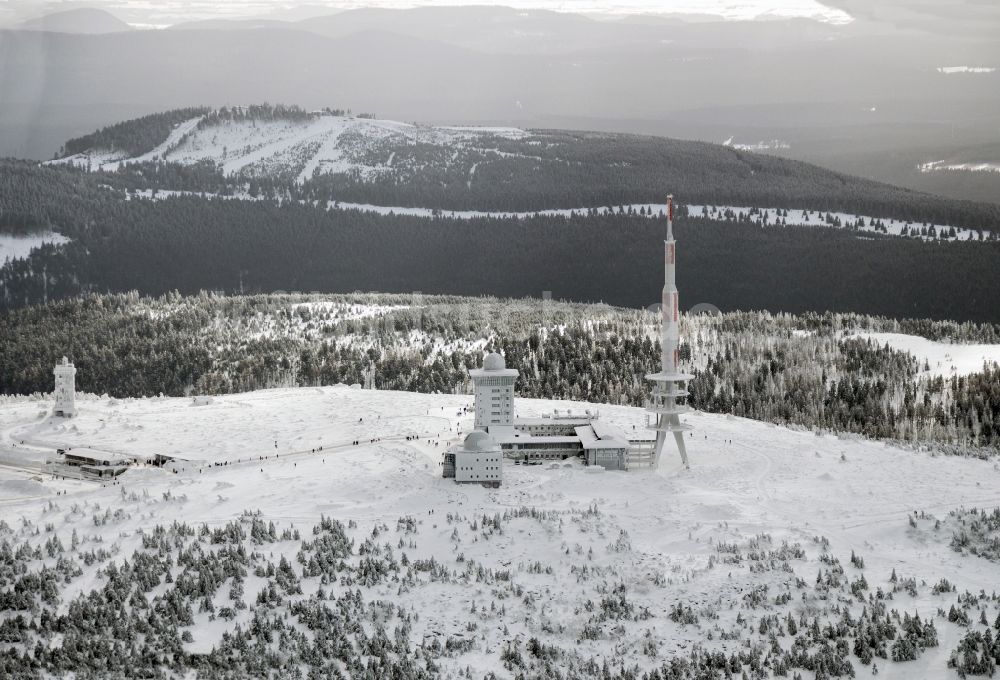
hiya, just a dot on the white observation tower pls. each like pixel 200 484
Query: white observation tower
pixel 65 390
pixel 494 396
pixel 669 385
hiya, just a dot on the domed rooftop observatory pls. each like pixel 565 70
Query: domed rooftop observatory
pixel 494 362
pixel 477 440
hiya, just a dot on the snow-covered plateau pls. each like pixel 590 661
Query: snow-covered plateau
pixel 630 568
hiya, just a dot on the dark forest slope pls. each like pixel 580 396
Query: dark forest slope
pixel 189 244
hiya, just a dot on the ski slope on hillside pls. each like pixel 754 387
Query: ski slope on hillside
pixel 299 148
pixel 657 539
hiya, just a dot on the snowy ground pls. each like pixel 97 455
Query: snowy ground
pixel 943 358
pixel 13 247
pixel 751 484
pixel 770 216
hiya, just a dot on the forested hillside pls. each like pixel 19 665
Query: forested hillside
pixel 254 218
pixel 330 156
pixel 808 370
pixel 561 169
pixel 189 244
pixel 132 137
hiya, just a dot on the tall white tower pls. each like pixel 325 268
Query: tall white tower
pixel 494 387
pixel 669 385
pixel 65 390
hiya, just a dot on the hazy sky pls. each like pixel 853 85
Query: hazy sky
pixel 165 12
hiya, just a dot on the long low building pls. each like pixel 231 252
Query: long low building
pixel 540 447
pixel 97 463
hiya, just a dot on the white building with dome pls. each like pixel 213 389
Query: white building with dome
pixel 477 460
pixel 554 436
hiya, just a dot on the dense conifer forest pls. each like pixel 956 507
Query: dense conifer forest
pixel 188 243
pixel 808 370
pixel 132 137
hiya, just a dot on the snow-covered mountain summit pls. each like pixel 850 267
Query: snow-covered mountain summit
pixel 301 146
pixel 312 528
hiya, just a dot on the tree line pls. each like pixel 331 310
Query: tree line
pixel 807 370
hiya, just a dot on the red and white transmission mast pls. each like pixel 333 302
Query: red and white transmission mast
pixel 670 384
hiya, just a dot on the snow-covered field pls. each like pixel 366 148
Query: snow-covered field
pixel 761 511
pixel 12 247
pixel 945 166
pixel 943 358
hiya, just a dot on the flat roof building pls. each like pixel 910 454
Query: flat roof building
pixel 97 463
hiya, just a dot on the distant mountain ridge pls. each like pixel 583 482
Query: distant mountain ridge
pixel 87 20
pixel 864 98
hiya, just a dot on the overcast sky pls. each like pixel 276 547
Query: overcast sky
pixel 166 12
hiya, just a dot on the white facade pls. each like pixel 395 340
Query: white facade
pixel 494 403
pixel 65 389
pixel 478 460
